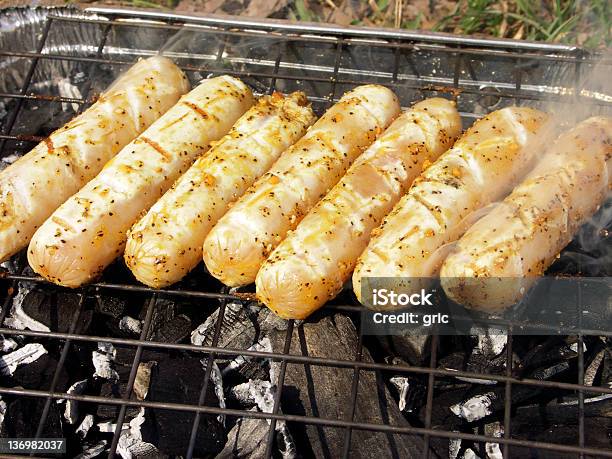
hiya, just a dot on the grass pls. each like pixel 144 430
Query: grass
pixel 568 21
pixel 586 23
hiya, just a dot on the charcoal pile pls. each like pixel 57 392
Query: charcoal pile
pixel 471 402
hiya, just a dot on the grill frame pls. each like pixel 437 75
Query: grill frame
pixel 341 39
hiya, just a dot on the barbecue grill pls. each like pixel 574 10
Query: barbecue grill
pixel 91 47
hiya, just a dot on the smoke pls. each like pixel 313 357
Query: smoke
pixel 590 252
pixel 588 93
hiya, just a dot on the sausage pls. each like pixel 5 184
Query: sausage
pixel 88 231
pixel 37 183
pixel 312 264
pixel 483 166
pixel 499 257
pixel 167 243
pixel 244 237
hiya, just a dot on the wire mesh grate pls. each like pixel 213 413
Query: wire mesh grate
pixel 323 63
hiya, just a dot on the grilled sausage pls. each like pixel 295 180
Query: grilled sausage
pixel 167 243
pixel 311 265
pixel 499 257
pixel 36 184
pixel 88 231
pixel 484 165
pixel 244 237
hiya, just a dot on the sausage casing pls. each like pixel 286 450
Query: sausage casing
pixel 482 166
pixel 244 237
pixel 88 231
pixel 498 258
pixel 167 243
pixel 311 265
pixel 37 183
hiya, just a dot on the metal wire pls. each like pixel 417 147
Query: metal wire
pixel 396 76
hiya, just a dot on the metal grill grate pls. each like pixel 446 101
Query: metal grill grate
pixel 324 62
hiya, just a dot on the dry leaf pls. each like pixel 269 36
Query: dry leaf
pixel 341 17
pixel 264 8
pixel 201 6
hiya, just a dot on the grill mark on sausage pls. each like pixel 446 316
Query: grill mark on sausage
pixel 198 110
pixel 49 144
pixel 177 120
pixel 63 223
pixel 157 147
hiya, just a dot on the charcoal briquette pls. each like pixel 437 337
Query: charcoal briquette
pixel 242 326
pixel 323 392
pixel 164 311
pixel 412 348
pixel 246 439
pixel 57 310
pixel 174 331
pixel 39 374
pixel 23 415
pixel 179 381
pixel 111 306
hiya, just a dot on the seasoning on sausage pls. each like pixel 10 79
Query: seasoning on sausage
pixel 167 243
pixel 244 237
pixel 482 167
pixel 312 264
pixel 87 232
pixel 37 183
pixel 500 256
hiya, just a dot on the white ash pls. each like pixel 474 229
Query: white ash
pixel 102 360
pixel 591 371
pixel 130 441
pixel 217 379
pixel 10 159
pixel 470 454
pixel 8 264
pixel 71 411
pixel 27 354
pixel 492 450
pixel 403 385
pixel 262 394
pixel 2 413
pixel 263 345
pixel 110 427
pixel 475 408
pixel 237 327
pixel 574 347
pixel 489 382
pixel 130 325
pixel 491 345
pixel 93 451
pixel 85 425
pixel 289 451
pixel 199 334
pixel 7 344
pixel 17 318
pixel 454 446
pixel 256 391
pixel 599 398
